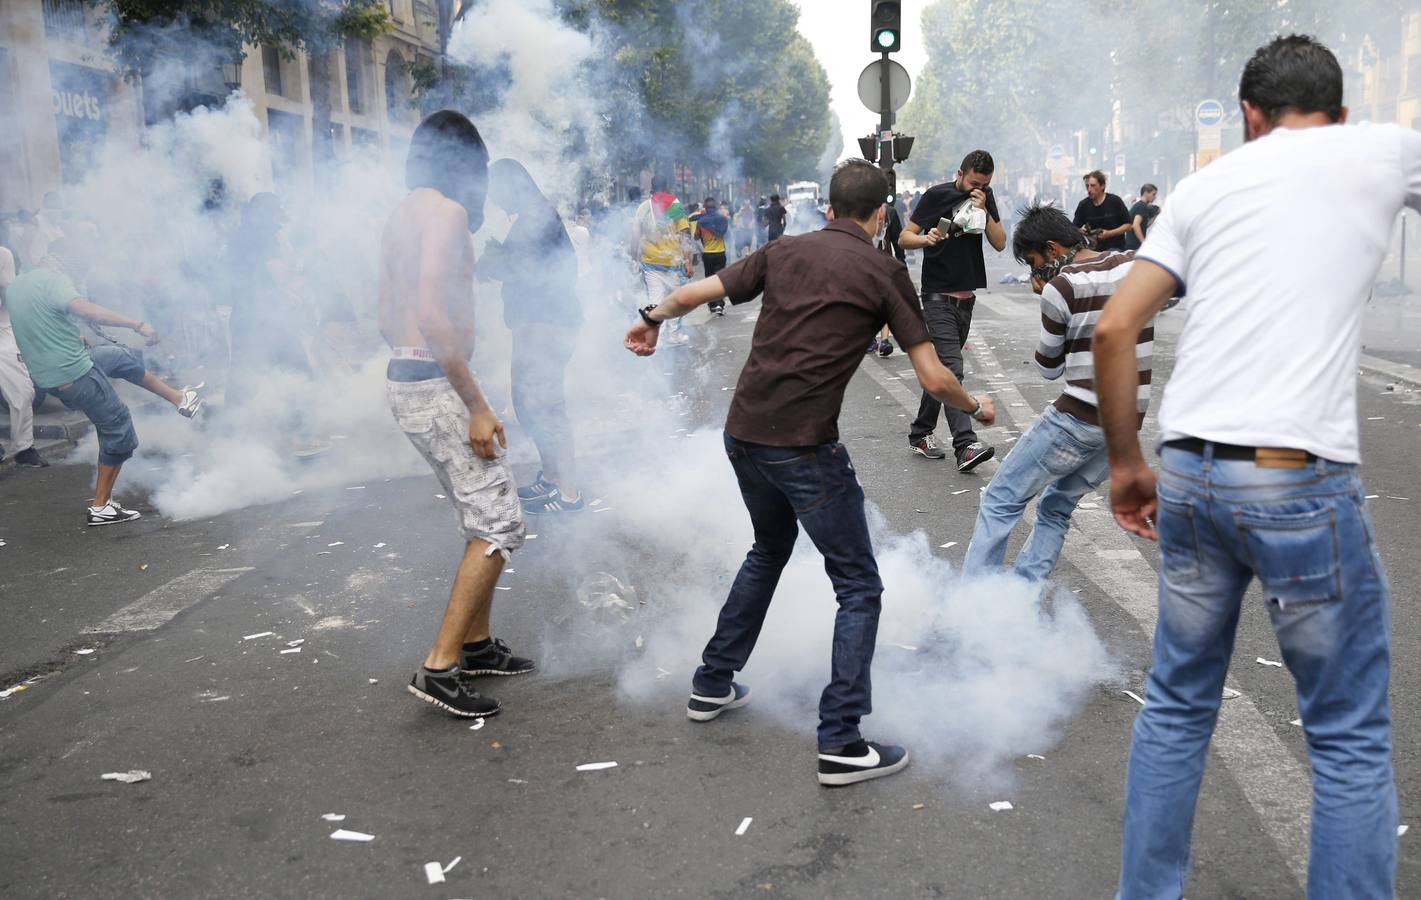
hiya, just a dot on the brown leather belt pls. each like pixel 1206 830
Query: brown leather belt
pixel 1263 457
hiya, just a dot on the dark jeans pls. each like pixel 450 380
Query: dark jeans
pixel 714 262
pixel 948 321
pixel 783 488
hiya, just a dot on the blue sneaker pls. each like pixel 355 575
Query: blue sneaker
pixel 540 488
pixel 553 503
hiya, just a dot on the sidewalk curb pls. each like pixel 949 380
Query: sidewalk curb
pixel 1395 371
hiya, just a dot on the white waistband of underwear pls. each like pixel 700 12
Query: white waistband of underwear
pixel 412 353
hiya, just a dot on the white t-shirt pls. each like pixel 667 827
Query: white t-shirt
pixel 1278 244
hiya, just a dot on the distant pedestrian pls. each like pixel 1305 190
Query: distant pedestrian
pixel 775 218
pixel 1142 216
pixel 782 438
pixel 16 386
pixel 745 228
pixel 43 304
pixel 711 229
pixel 1102 216
pixel 1259 465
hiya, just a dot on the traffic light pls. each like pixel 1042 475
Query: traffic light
pixel 886 24
pixel 892 185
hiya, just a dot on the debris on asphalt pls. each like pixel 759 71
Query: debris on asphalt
pixel 595 767
pixel 340 834
pixel 1000 806
pixel 291 650
pixel 1268 662
pixel 296 643
pixel 744 826
pixel 920 806
pixel 358 487
pixel 259 634
pixel 374 681
pixel 1402 829
pixel 224 547
pixel 434 872
pixel 963 491
pixel 334 817
pixel 517 781
pixel 85 652
pixel 142 568
pixel 948 545
pixel 457 860
pixel 1230 693
pixel 379 545
pixel 502 588
pixel 478 723
pixel 909 647
pixel 1297 722
pixel 132 776
pixel 336 544
pixel 1134 696
pixel 440 497
pixel 1036 756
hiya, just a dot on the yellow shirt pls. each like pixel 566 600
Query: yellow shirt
pixel 660 238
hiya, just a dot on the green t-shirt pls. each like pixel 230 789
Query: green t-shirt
pixel 48 336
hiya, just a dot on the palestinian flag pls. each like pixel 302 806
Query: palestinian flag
pixel 667 206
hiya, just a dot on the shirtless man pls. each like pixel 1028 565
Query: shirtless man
pixel 427 318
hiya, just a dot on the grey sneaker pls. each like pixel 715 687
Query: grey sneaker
pixel 927 447
pixel 450 691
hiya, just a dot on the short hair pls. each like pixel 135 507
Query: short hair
pixel 448 155
pixel 659 184
pixel 1148 188
pixel 1294 73
pixel 857 189
pixel 774 198
pixel 1036 225
pixel 710 202
pixel 979 161
pixel 1097 175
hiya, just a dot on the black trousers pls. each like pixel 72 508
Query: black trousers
pixel 948 320
pixel 714 262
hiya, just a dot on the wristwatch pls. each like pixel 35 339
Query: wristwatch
pixel 646 315
pixel 976 412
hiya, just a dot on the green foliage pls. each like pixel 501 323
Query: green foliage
pixel 424 75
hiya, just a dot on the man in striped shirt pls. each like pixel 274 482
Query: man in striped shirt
pixel 1062 455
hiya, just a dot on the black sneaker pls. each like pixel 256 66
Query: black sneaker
pixel 860 761
pixel 449 691
pixel 973 455
pixel 112 514
pixel 539 489
pixel 926 446
pixel 30 459
pixel 885 347
pixel 493 658
pixel 703 709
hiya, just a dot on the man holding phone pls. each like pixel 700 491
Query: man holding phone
pixel 953 269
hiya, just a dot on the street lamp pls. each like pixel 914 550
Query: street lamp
pixel 232 74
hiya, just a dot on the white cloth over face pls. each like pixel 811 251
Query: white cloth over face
pixel 15 384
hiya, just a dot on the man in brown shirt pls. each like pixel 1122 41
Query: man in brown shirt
pixel 826 294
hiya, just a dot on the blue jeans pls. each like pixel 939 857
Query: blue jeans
pixel 783 488
pixel 92 395
pixel 1306 536
pixel 1062 459
pixel 117 361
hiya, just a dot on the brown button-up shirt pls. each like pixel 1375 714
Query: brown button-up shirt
pixel 826 295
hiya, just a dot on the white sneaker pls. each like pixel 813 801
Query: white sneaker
pixel 112 513
pixel 191 404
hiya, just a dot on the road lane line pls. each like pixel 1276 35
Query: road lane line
pixel 1276 785
pixel 157 607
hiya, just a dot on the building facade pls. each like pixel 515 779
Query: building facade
pixel 61 98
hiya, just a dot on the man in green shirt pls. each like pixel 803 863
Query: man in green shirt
pixel 43 303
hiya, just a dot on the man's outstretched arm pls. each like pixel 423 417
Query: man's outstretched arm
pixel 1138 300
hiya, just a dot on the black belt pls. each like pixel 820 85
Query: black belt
pixel 956 301
pixel 1260 455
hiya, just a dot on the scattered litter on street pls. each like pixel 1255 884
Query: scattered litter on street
pixel 1268 662
pixel 340 834
pixel 259 634
pixel 224 547
pixel 744 826
pixel 1375 418
pixel 478 723
pixel 1087 506
pixel 948 545
pixel 379 545
pixel 434 872
pixel 336 544
pixel 1230 693
pixel 291 650
pixel 132 776
pixel 5 694
pixel 85 652
pixel 963 491
pixel 517 781
pixel 1297 722
pixel 334 817
pixel 1371 496
pixel 1036 756
pixel 920 806
pixel 1134 696
pixel 374 681
pixel 358 487
pixel 594 767
pixel 1000 806
pixel 1390 497
pixel 1402 829
pixel 296 643
pixel 440 497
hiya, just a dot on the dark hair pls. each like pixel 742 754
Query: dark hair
pixel 710 203
pixel 857 189
pixel 1097 175
pixel 659 184
pixel 979 161
pixel 1148 188
pixel 1036 225
pixel 448 155
pixel 1295 73
pixel 774 198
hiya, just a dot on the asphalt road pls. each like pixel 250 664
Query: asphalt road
pixel 250 746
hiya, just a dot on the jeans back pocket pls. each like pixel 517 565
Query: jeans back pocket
pixel 1178 537
pixel 1294 554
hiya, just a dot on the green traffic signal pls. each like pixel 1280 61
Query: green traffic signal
pixel 887 39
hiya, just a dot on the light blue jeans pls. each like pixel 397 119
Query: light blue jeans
pixel 1306 536
pixel 1062 459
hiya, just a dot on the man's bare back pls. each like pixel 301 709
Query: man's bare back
pixel 427 274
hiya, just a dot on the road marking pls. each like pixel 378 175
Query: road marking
pixel 157 607
pixel 1275 784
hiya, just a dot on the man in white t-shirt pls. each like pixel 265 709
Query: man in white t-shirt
pixel 1259 463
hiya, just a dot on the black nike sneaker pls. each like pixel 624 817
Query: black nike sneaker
pixel 493 658
pixel 860 761
pixel 703 709
pixel 449 691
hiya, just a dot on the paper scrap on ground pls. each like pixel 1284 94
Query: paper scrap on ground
pixel 963 491
pixel 379 545
pixel 252 637
pixel 85 652
pixel 291 650
pixel 920 806
pixel 132 776
pixel 593 767
pixel 224 547
pixel 336 544
pixel 1000 806
pixel 1297 722
pixel 948 545
pixel 1402 829
pixel 434 872
pixel 1268 662
pixel 744 826
pixel 478 723
pixel 334 817
pixel 5 694
pixel 358 487
pixel 440 497
pixel 374 681
pixel 1134 696
pixel 296 643
pixel 456 861
pixel 1035 756
pixel 1230 693
pixel 340 834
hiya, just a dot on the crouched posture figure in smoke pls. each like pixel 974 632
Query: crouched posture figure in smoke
pixel 783 442
pixel 427 317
